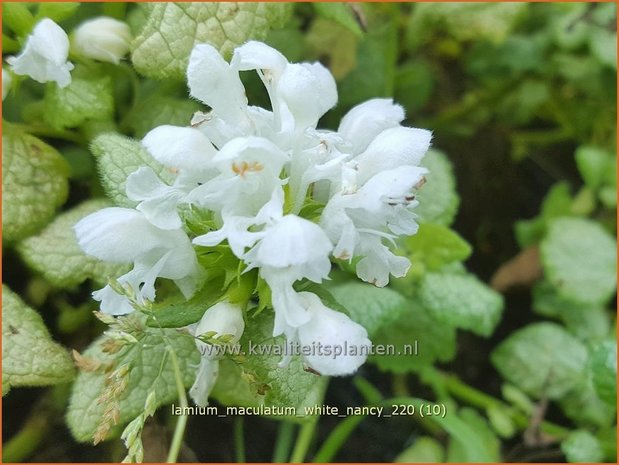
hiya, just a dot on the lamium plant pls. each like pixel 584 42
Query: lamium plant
pixel 216 208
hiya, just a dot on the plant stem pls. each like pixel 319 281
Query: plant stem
pixel 337 438
pixel 482 400
pixel 181 423
pixel 46 131
pixel 26 441
pixel 239 440
pixel 306 433
pixel 283 442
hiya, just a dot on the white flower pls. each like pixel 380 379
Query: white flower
pixel 291 249
pixel 103 39
pixel 122 235
pixel 44 58
pixel 224 319
pixel 186 152
pixel 357 223
pixel 375 193
pixel 6 82
pixel 345 344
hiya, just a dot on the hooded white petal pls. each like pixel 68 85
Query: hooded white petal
pixel 308 92
pixel 346 341
pixel 292 241
pixel 179 147
pixel 102 38
pixel 44 58
pixel 259 56
pixel 215 83
pixel 367 120
pixel 118 235
pixel 392 148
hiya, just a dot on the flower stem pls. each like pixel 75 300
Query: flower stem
pixel 304 439
pixel 283 442
pixel 239 440
pixel 181 423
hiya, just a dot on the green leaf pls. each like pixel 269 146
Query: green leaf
pixel 29 356
pixel 150 369
pixel 557 203
pixel 55 254
pixel 17 17
pixel 542 359
pixel 58 11
pixel 579 258
pixel 370 306
pixel 582 447
pixel 88 97
pixel 588 322
pixel 603 44
pixel 162 48
pixel 374 75
pixel 462 301
pixel 424 450
pixel 415 326
pixel 414 85
pixel 176 311
pixel 603 367
pixel 159 110
pixel 34 183
pixel 435 245
pixel 438 199
pixel 470 21
pixel 257 379
pixel 471 438
pixel 340 13
pixel 585 408
pixel 117 157
pixel 593 164
pixel 501 421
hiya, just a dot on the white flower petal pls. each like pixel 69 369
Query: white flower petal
pixel 215 83
pixel 259 56
pixel 117 235
pixel 252 149
pixel 207 375
pixel 335 332
pixel 179 147
pixel 367 120
pixel 379 262
pixel 291 241
pixel 393 148
pixel 308 91
pixel 111 302
pixel 44 58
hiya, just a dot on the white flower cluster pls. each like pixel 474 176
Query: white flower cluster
pixel 46 53
pixel 255 170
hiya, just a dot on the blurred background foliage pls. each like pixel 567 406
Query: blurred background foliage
pixel 521 98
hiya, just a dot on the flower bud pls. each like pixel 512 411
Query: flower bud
pixel 103 39
pixel 222 319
